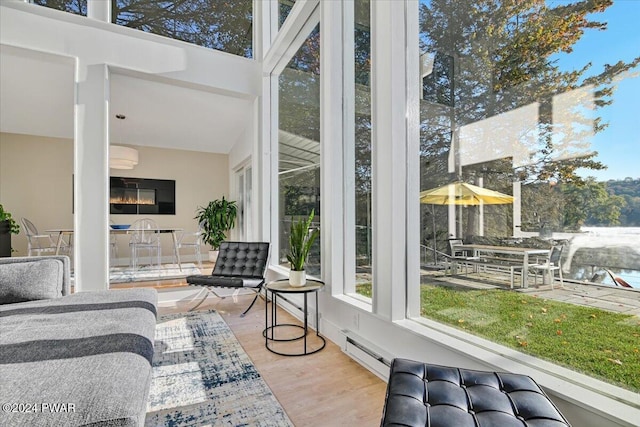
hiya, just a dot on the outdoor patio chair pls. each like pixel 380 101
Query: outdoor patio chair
pixel 549 265
pixel 460 257
pixel 240 265
pixel 144 235
pixel 41 244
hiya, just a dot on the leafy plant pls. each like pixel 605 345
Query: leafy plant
pixel 218 217
pixel 6 216
pixel 300 240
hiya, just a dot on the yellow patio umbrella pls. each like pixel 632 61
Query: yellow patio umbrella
pixel 461 193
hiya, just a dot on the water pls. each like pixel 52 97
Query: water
pixel 599 248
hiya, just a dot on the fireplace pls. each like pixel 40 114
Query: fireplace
pixel 142 196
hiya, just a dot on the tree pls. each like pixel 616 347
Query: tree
pixel 504 56
pixel 589 203
pixel 79 7
pixel 217 24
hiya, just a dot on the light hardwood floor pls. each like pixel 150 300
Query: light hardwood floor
pixel 324 389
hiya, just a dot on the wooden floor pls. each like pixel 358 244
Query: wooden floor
pixel 323 389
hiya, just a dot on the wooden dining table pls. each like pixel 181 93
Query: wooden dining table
pixel 479 250
pixel 61 232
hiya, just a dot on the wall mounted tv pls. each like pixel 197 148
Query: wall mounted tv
pixel 142 196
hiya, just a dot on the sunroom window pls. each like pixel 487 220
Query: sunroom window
pixel 359 278
pixel 284 8
pixel 299 146
pixel 78 7
pixel 536 101
pixel 215 24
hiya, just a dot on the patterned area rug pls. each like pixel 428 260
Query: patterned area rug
pixel 202 376
pixel 168 271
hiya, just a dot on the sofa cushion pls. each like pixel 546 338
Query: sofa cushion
pixel 90 350
pixel 31 279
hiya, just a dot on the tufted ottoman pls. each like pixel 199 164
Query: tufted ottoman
pixel 419 394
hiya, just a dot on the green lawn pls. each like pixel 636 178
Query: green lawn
pixel 600 343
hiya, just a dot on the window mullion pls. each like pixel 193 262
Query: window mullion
pixel 389 158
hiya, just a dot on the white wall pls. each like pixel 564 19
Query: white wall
pixel 36 183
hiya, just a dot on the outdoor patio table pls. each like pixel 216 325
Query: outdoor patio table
pixel 478 250
pixel 69 232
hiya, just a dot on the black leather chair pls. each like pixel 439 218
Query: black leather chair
pixel 420 394
pixel 240 265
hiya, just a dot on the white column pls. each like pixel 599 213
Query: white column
pixel 266 143
pixel 91 169
pixel 331 133
pixel 389 158
pixel 269 170
pixel 99 10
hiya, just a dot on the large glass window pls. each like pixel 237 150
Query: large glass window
pixel 284 8
pixel 79 7
pixel 299 145
pixel 210 23
pixel 361 147
pixel 536 101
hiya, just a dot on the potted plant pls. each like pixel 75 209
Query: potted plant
pixel 215 219
pixel 300 240
pixel 8 226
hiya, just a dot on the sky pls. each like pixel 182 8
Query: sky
pixel 618 146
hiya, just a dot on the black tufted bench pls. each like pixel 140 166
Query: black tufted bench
pixel 419 394
pixel 239 265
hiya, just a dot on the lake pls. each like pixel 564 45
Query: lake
pixel 598 248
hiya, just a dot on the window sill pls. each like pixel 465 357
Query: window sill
pixel 356 301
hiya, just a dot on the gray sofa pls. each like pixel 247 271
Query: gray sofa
pixel 71 359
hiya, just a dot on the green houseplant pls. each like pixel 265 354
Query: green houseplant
pixel 8 226
pixel 215 219
pixel 301 238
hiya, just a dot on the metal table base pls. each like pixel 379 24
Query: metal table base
pixel 281 287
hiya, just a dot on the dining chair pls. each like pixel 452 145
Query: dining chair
pixel 144 235
pixel 40 244
pixel 192 240
pixel 549 266
pixel 113 246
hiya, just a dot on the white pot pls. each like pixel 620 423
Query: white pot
pixel 297 279
pixel 213 256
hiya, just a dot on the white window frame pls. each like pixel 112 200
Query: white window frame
pixel 305 16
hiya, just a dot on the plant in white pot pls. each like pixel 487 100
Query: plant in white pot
pixel 300 240
pixel 216 219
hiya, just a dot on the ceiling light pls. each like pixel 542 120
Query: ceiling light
pixel 121 157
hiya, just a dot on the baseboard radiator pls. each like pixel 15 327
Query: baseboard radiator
pixel 366 354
